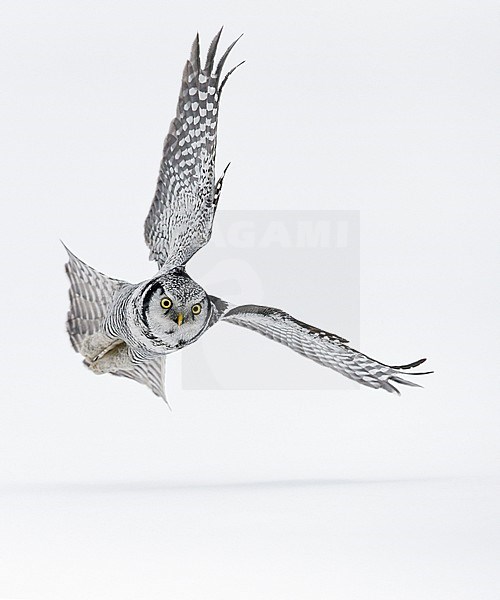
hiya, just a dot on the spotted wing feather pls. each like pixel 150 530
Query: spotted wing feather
pixel 180 219
pixel 325 348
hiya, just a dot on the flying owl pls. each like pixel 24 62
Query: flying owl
pixel 128 329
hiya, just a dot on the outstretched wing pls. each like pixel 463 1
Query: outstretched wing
pixel 91 294
pixel 323 347
pixel 180 219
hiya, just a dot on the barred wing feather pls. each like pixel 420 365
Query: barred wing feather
pixel 150 373
pixel 91 294
pixel 323 347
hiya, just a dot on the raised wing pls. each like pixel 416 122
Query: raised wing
pixel 325 348
pixel 180 219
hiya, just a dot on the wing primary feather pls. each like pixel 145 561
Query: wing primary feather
pixel 195 53
pixel 390 388
pixel 411 366
pixel 218 186
pixel 419 373
pixel 404 381
pixel 222 60
pixel 417 363
pixel 209 63
pixel 227 75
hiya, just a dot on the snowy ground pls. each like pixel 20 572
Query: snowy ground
pixel 351 539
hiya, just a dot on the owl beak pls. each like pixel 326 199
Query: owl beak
pixel 180 318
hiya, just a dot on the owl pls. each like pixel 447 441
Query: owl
pixel 128 329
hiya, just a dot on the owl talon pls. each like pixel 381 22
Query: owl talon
pixel 106 350
pixel 114 358
pixel 103 354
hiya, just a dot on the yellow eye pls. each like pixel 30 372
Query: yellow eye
pixel 196 308
pixel 165 303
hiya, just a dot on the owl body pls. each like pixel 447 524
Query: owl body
pixel 148 320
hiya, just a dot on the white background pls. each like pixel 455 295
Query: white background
pixel 390 108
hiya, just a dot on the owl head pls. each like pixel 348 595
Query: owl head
pixel 175 309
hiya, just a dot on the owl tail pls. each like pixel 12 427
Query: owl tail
pixel 91 294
